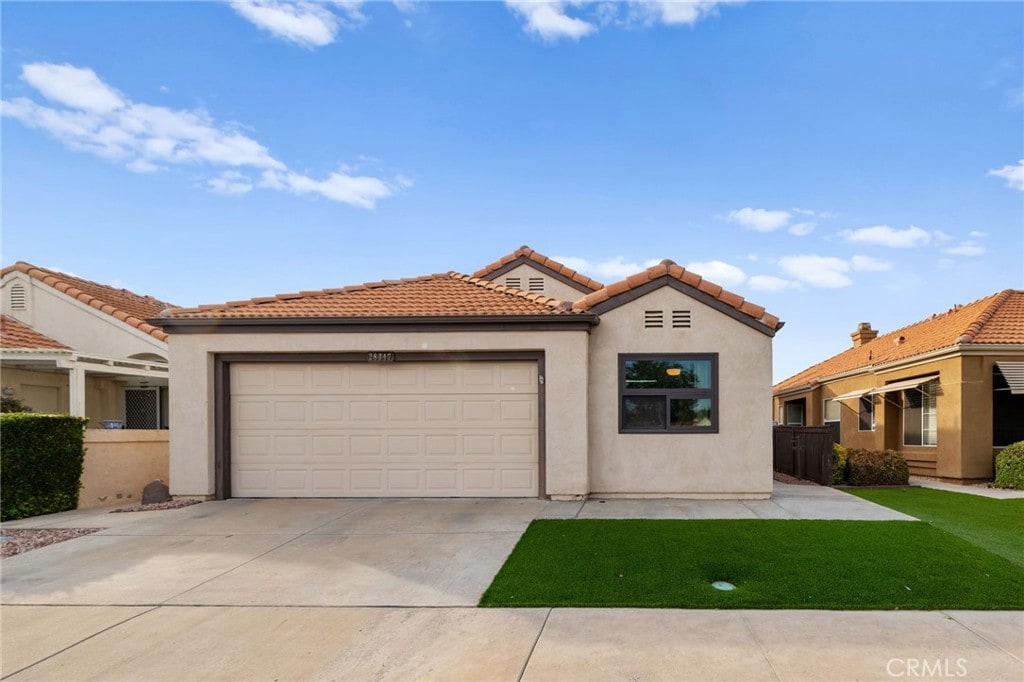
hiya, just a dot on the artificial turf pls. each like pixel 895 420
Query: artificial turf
pixel 995 525
pixel 774 564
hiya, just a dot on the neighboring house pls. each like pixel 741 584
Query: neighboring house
pixel 946 392
pixel 68 345
pixel 453 385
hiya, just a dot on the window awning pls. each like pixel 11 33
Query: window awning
pixel 853 394
pixel 1013 372
pixel 904 385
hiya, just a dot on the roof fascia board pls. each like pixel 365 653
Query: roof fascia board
pixel 694 293
pixel 525 260
pixel 244 325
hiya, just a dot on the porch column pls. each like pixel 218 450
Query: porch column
pixel 76 390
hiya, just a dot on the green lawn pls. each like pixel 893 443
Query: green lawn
pixel 774 564
pixel 995 525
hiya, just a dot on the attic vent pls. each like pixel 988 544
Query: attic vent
pixel 514 282
pixel 19 299
pixel 680 319
pixel 536 284
pixel 654 319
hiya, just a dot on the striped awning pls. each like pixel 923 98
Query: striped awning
pixel 1013 372
pixel 904 385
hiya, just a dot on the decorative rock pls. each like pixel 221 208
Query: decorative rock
pixel 155 492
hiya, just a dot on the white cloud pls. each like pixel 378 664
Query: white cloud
pixel 967 248
pixel 308 24
pixel 770 283
pixel 819 271
pixel 146 138
pixel 549 20
pixel 883 235
pixel 675 12
pixel 941 236
pixel 977 234
pixel 719 272
pixel 869 264
pixel 759 219
pixel 609 268
pixel 801 229
pixel 230 182
pixel 1013 174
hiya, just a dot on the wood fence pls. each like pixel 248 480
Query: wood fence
pixel 804 452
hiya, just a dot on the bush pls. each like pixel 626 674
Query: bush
pixel 870 467
pixel 1010 467
pixel 41 459
pixel 839 457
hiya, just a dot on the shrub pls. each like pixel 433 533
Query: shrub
pixel 839 457
pixel 1010 466
pixel 8 403
pixel 41 459
pixel 870 467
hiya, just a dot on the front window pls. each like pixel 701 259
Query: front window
pixel 668 393
pixel 919 427
pixel 832 410
pixel 866 413
pixel 1007 411
pixel 795 413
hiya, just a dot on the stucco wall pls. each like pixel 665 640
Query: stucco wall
pixel 735 462
pixel 192 391
pixel 552 287
pixel 119 464
pixel 77 325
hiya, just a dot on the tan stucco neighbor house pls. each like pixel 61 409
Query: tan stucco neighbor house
pixel 525 379
pixel 946 392
pixel 70 345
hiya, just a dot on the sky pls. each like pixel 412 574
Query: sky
pixel 836 163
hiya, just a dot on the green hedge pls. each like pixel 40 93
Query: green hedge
pixel 1010 467
pixel 41 459
pixel 840 455
pixel 871 467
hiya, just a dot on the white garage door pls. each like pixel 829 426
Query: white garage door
pixel 431 429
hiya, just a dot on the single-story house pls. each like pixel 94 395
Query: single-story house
pixel 454 385
pixel 69 345
pixel 947 392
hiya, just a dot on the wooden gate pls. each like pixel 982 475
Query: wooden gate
pixel 804 452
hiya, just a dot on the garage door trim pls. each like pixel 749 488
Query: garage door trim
pixel 222 395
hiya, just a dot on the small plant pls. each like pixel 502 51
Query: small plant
pixel 8 403
pixel 871 467
pixel 840 455
pixel 1010 467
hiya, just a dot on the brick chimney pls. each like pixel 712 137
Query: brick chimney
pixel 863 334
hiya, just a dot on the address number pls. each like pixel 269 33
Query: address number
pixel 381 357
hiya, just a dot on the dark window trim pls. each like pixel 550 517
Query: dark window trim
pixel 860 404
pixel 713 393
pixel 222 396
pixel 543 269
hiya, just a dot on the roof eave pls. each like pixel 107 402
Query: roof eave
pixel 205 325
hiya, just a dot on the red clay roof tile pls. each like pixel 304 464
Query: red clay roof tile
pixel 543 261
pixel 17 334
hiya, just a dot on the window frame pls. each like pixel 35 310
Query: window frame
pixel 925 397
pixel 824 411
pixel 713 393
pixel 860 412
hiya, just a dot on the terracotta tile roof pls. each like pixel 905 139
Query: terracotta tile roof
pixel 995 319
pixel 667 268
pixel 540 259
pixel 16 334
pixel 126 306
pixel 443 295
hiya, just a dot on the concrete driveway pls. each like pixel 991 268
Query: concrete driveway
pixel 386 589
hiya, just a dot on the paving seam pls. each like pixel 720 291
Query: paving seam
pixel 529 656
pixel 760 647
pixel 86 639
pixel 982 637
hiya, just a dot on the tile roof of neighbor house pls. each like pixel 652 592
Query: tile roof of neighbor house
pixel 667 268
pixel 126 306
pixel 442 295
pixel 540 259
pixel 18 335
pixel 996 319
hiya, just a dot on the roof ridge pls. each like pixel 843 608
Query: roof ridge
pixel 65 283
pixel 525 251
pixel 975 327
pixel 259 300
pixel 555 304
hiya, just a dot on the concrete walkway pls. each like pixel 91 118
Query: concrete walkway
pixel 385 589
pixel 979 490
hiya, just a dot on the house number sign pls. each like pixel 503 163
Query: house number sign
pixel 377 356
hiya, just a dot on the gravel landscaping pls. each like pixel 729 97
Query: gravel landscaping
pixel 19 540
pixel 173 504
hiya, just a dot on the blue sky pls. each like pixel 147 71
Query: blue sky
pixel 834 162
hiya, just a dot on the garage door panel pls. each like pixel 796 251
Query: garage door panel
pixel 416 429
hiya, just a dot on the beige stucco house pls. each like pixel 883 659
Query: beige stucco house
pixel 946 392
pixel 525 379
pixel 69 345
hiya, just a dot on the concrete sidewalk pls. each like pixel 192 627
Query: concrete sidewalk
pixel 979 490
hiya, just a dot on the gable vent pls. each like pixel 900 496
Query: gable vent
pixel 514 282
pixel 654 319
pixel 536 284
pixel 19 298
pixel 680 319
